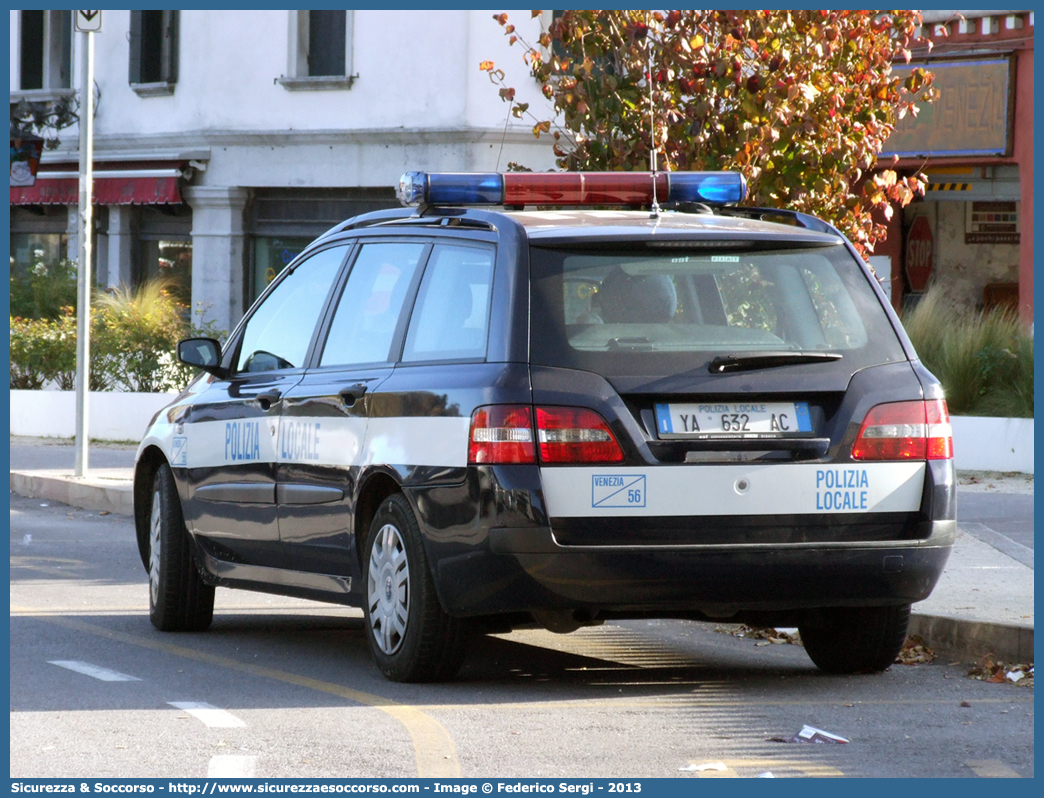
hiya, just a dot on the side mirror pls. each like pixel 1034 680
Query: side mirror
pixel 203 353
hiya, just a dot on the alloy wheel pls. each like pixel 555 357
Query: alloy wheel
pixel 155 528
pixel 388 589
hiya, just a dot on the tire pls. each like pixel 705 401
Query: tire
pixel 411 637
pixel 855 639
pixel 179 600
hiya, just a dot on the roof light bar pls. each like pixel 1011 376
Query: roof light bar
pixel 569 188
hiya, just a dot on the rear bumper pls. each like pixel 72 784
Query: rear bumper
pixel 501 555
pixel 525 569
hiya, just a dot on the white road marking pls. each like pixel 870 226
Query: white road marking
pixel 208 713
pixel 232 767
pixel 104 674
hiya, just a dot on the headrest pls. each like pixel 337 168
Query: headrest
pixel 637 299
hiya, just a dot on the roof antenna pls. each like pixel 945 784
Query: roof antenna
pixel 654 211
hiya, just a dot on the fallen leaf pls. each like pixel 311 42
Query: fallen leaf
pixel 768 634
pixel 915 652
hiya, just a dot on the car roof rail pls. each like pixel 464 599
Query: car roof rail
pixel 799 219
pixel 444 221
pixel 428 215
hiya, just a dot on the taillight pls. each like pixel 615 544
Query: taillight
pixel 940 433
pixel 575 435
pixel 501 434
pixel 905 431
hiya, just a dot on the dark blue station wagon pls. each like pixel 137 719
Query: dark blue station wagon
pixel 466 415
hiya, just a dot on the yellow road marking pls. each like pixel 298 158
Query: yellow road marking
pixel 434 749
pixel 992 769
pixel 35 564
pixel 672 702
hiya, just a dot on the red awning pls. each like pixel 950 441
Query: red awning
pixel 107 191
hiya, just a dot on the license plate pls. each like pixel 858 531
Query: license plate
pixel 733 420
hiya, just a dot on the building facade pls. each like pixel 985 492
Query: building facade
pixel 225 141
pixel 972 233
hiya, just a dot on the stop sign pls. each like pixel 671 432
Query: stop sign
pixel 920 253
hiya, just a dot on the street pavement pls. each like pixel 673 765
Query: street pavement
pixel 982 604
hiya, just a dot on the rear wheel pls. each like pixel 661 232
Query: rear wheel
pixel 855 639
pixel 411 637
pixel 179 600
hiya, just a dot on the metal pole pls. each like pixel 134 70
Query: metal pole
pixel 84 230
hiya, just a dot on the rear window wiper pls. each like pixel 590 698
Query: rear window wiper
pixel 764 360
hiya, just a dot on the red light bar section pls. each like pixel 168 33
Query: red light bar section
pixel 583 188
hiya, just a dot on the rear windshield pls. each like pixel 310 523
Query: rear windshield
pixel 663 311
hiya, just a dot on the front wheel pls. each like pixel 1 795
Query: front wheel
pixel 179 600
pixel 855 639
pixel 411 637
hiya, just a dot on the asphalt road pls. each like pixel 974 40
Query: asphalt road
pixel 1004 513
pixel 286 688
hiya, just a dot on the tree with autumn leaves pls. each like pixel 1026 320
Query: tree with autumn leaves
pixel 801 102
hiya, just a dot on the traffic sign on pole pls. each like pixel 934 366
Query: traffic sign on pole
pixel 920 253
pixel 88 21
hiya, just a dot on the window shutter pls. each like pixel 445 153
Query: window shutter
pixel 135 47
pixel 170 46
pixel 64 56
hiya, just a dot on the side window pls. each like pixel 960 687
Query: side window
pixel 278 334
pixel 451 317
pixel 368 312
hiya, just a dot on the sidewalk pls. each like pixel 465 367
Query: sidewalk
pixel 983 602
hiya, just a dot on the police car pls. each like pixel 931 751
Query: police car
pixel 474 413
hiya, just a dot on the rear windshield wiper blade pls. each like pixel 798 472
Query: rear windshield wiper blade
pixel 763 360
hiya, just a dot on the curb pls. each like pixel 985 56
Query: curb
pixel 109 489
pixel 969 639
pixel 113 493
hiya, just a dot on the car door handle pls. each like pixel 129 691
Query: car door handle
pixel 352 394
pixel 268 398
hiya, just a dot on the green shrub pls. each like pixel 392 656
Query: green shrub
pixel 40 353
pixel 983 359
pixel 43 291
pixel 133 339
pixel 135 333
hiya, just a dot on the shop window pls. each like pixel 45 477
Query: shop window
pixel 30 249
pixel 320 55
pixel 45 45
pixel 153 52
pixel 271 256
pixel 39 233
pixel 169 260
